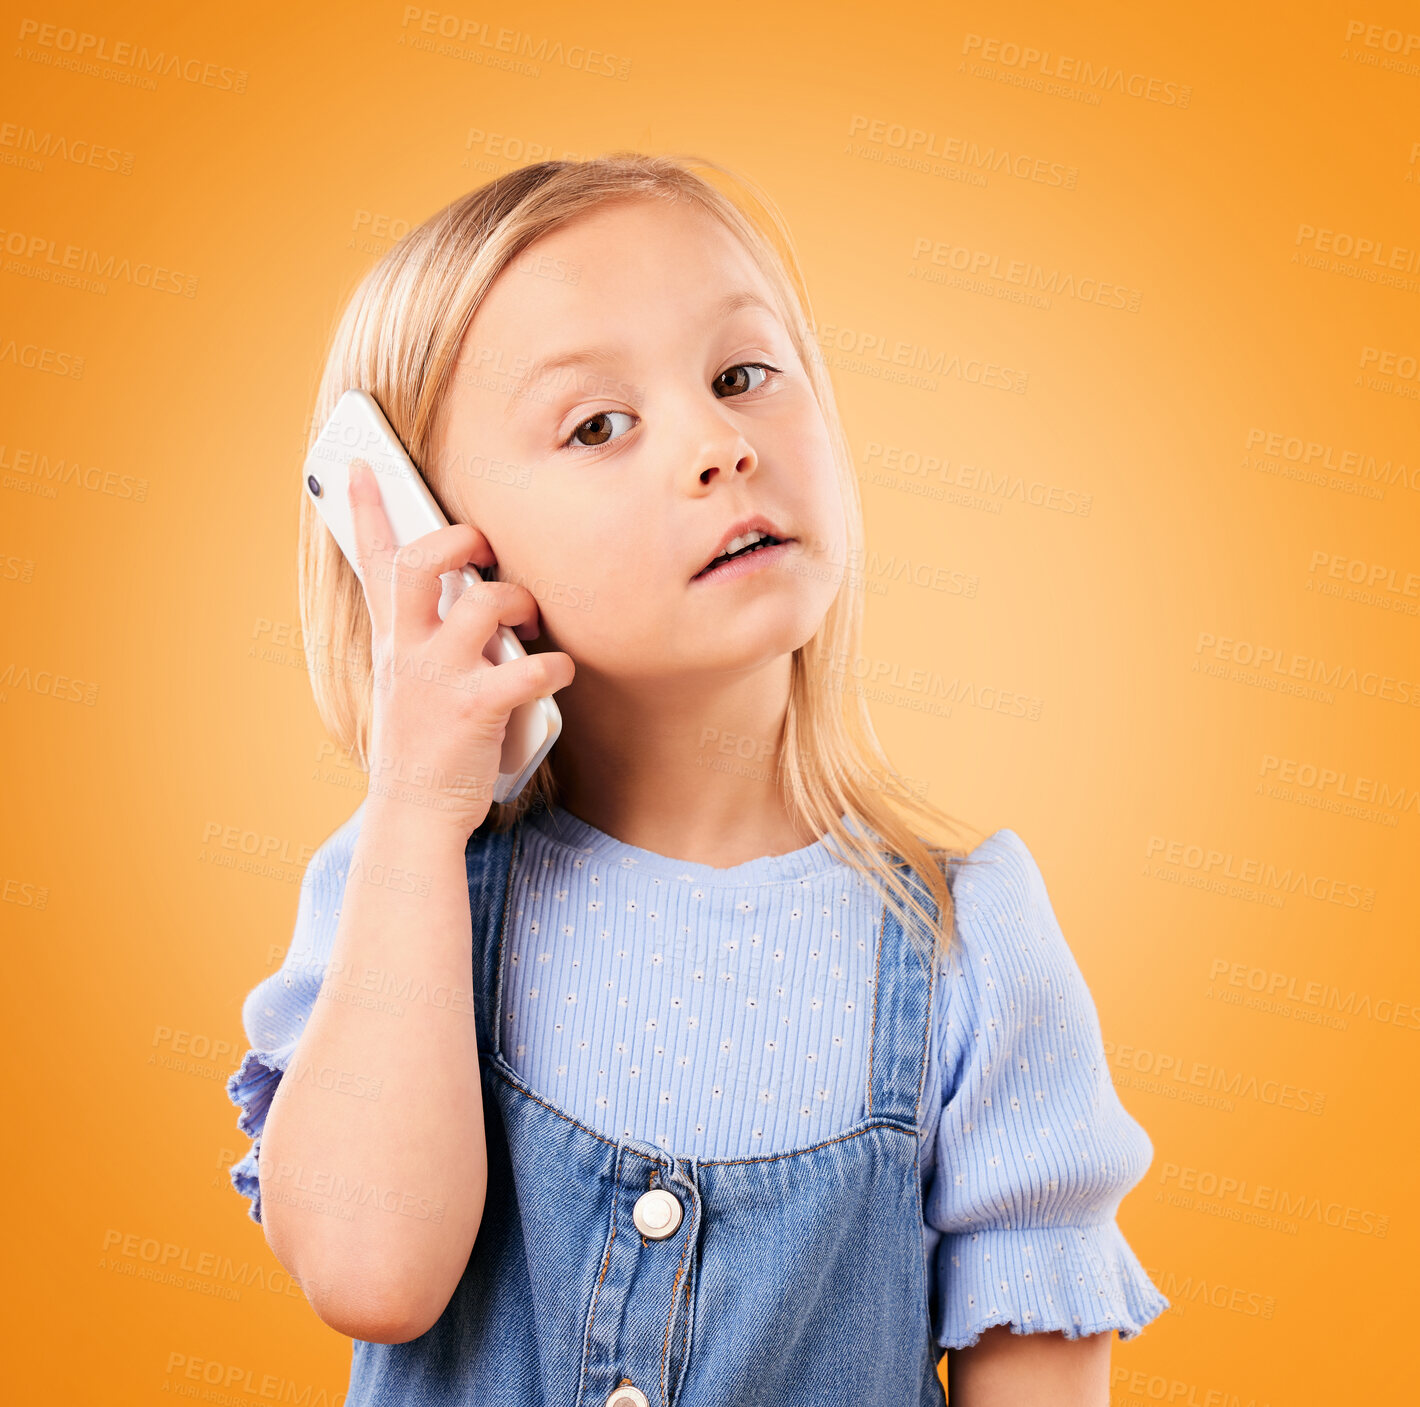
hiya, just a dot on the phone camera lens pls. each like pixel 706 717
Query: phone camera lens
pixel 313 484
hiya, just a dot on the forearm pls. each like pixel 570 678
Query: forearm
pixel 374 1203
pixel 1003 1369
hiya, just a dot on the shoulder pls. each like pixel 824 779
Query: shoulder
pixel 1007 948
pixel 999 891
pixel 1001 871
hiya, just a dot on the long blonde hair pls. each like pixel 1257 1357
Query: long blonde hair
pixel 399 338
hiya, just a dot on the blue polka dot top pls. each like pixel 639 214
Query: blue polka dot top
pixel 727 1012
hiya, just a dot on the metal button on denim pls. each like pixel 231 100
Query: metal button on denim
pixel 627 1396
pixel 656 1214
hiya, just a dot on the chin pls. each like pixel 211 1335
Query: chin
pixel 744 647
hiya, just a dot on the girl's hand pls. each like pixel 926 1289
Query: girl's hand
pixel 441 707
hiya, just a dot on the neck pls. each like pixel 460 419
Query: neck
pixel 684 768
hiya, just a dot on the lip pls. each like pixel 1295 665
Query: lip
pixel 758 523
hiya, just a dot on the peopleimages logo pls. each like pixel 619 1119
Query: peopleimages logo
pixel 1365 248
pixel 898 358
pixel 34 148
pixel 1270 662
pixel 81 50
pixel 1100 77
pixel 1238 1194
pixel 1291 879
pixel 1280 987
pixel 1377 36
pixel 982 267
pixel 1174 1074
pixel 919 142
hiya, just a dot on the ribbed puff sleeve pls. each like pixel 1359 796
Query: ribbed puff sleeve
pixel 1034 1151
pixel 275 1011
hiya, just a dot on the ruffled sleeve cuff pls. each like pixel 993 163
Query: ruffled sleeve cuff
pixel 251 1088
pixel 1078 1280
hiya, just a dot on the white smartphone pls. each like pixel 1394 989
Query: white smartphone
pixel 357 429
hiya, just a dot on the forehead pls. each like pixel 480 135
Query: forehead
pixel 620 262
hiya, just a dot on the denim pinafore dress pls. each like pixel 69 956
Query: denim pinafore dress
pixel 614 1273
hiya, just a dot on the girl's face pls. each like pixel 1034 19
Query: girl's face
pixel 674 407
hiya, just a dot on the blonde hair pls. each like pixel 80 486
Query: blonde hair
pixel 399 340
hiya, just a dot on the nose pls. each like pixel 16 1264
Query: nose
pixel 720 450
pixel 743 465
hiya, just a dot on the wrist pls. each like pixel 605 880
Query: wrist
pixel 419 817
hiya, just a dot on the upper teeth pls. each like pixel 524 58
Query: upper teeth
pixel 735 544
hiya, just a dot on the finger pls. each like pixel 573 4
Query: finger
pixel 505 687
pixel 374 544
pixel 476 615
pixel 418 567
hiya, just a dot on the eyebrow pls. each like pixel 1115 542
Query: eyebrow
pixel 607 356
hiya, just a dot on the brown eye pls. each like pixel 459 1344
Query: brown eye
pixel 597 430
pixel 734 380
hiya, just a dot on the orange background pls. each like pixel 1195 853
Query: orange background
pixel 149 486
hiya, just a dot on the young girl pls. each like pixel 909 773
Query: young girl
pixel 694 1074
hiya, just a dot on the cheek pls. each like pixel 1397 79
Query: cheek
pixel 591 580
pixel 817 475
pixel 606 620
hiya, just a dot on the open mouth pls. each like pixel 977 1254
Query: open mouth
pixel 745 546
